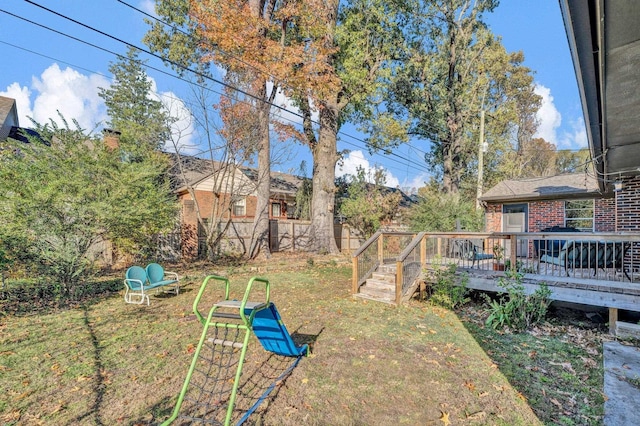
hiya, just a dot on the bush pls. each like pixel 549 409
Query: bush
pixel 447 290
pixel 515 309
pixel 440 212
pixel 21 296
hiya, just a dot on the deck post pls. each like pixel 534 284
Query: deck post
pixel 381 249
pixel 354 279
pixel 613 319
pixel 423 252
pixel 399 279
pixel 514 249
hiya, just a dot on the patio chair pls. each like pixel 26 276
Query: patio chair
pixel 135 284
pixel 467 250
pixel 158 277
pixel 139 281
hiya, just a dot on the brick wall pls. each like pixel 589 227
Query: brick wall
pixel 493 218
pixel 604 215
pixel 628 206
pixel 619 214
pixel 544 214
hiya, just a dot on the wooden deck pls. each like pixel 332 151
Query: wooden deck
pixel 600 270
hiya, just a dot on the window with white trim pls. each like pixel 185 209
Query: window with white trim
pixel 239 207
pixel 579 214
pixel 276 209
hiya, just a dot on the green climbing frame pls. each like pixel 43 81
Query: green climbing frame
pixel 210 389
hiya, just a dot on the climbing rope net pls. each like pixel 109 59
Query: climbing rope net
pixel 219 388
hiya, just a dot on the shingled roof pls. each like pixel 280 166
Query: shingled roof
pixel 575 185
pixel 198 169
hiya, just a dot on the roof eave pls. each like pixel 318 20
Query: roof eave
pixel 538 197
pixel 581 20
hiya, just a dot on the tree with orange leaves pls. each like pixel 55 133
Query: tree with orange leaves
pixel 263 46
pixel 331 59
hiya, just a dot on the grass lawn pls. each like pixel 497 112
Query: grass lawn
pixel 111 363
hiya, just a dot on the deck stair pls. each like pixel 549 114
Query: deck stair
pixel 381 286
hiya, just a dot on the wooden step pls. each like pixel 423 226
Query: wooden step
pixel 389 268
pixel 375 299
pixel 384 277
pixel 378 290
pixel 379 285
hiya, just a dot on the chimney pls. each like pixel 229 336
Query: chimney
pixel 111 138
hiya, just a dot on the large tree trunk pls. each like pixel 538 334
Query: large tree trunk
pixel 260 234
pixel 325 156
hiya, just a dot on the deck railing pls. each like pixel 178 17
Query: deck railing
pixel 581 257
pixel 381 248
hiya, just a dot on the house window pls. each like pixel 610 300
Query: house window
pixel 239 207
pixel 579 214
pixel 276 210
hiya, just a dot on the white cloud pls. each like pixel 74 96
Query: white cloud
pixel 350 164
pixel 550 124
pixel 548 116
pixel 416 182
pixel 73 94
pixel 182 130
pixel 575 137
pixel 148 6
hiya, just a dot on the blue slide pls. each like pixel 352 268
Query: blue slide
pixel 273 335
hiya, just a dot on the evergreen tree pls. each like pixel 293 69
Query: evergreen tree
pixel 143 121
pixel 66 191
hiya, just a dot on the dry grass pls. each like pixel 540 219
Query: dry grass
pixel 111 363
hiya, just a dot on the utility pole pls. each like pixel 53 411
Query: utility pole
pixel 480 160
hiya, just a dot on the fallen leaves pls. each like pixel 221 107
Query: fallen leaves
pixel 566 365
pixel 444 418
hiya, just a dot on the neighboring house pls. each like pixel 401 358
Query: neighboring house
pixel 570 200
pixel 8 117
pixel 236 188
pixel 9 125
pixel 208 178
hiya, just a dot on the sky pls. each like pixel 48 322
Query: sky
pixel 61 67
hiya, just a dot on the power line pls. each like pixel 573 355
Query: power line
pixel 199 74
pixel 252 66
pixel 166 73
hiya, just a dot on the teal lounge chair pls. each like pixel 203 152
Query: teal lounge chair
pixel 138 282
pixel 158 277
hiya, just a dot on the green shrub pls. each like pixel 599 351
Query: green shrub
pixel 514 308
pixel 448 290
pixel 23 296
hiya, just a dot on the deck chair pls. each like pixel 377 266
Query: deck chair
pixel 158 277
pixel 467 250
pixel 135 284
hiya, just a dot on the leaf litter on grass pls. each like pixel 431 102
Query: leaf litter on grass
pixel 371 363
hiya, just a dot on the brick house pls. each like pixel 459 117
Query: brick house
pixel 569 200
pixel 235 190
